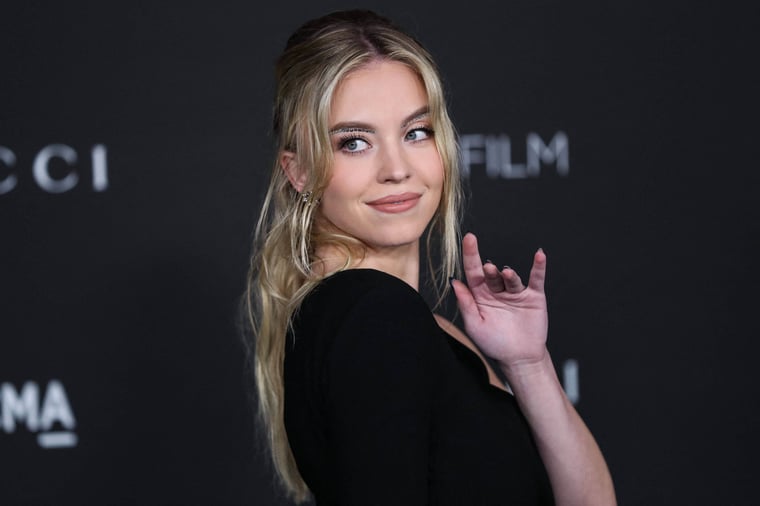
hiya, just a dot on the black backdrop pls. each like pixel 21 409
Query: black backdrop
pixel 620 137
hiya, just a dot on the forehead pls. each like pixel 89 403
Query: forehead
pixel 381 89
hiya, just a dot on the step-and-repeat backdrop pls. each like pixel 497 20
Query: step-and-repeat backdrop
pixel 134 143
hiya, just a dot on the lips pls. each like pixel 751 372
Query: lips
pixel 396 203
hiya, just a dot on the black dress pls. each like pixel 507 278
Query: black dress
pixel 382 407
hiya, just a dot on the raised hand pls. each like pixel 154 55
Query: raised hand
pixel 506 319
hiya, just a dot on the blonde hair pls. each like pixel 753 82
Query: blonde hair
pixel 316 58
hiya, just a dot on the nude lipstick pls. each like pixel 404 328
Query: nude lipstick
pixel 396 203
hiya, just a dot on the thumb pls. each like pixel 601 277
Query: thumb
pixel 466 302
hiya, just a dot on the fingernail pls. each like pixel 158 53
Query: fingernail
pixel 488 261
pixel 451 281
pixel 506 267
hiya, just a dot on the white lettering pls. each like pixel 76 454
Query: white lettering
pixel 556 152
pixel 55 407
pixel 495 152
pixel 8 183
pixel 57 439
pixel 499 159
pixel 41 169
pixel 468 145
pixel 570 380
pixel 99 168
pixel 19 407
pixel 26 407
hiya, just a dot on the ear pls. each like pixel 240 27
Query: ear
pixel 295 175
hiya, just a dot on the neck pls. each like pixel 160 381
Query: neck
pixel 401 261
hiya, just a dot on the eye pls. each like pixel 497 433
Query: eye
pixel 418 134
pixel 353 145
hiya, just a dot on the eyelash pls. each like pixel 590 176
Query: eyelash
pixel 345 139
pixel 428 131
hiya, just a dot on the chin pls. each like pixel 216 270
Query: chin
pixel 394 239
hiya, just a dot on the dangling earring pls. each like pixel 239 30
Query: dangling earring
pixel 307 198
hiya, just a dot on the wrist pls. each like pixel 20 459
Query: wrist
pixel 528 370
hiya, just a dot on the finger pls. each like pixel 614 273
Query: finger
pixel 473 266
pixel 511 280
pixel 538 271
pixel 467 305
pixel 493 277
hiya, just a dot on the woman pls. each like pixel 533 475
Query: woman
pixel 367 396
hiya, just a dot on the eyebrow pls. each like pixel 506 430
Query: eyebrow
pixel 357 126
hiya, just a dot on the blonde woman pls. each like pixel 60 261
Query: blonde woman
pixel 367 396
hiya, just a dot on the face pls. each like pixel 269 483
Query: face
pixel 387 176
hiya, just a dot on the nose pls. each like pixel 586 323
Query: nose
pixel 395 166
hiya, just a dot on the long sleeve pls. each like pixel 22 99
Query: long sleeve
pixel 382 407
pixel 378 402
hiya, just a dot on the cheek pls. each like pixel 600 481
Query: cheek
pixel 344 184
pixel 343 194
pixel 436 173
pixel 436 183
